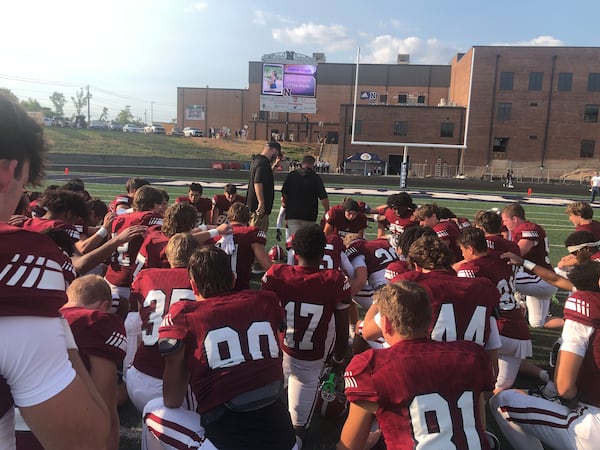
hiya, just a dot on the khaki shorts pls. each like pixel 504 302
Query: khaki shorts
pixel 260 220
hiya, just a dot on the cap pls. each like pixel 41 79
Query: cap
pixel 275 145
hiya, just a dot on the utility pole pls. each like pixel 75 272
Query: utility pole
pixel 151 113
pixel 88 102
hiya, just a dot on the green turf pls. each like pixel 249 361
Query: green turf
pixel 324 434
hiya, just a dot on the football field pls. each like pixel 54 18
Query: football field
pixel 547 210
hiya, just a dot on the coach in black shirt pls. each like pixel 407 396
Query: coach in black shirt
pixel 302 190
pixel 261 185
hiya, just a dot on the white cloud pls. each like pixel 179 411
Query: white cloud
pixel 328 37
pixel 264 17
pixel 540 41
pixel 385 49
pixel 197 6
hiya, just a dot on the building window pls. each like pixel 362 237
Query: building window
pixel 447 129
pixel 500 144
pixel 587 148
pixel 262 115
pixel 565 81
pixel 594 82
pixel 402 98
pixel 400 128
pixel 591 113
pixel 506 81
pixel 273 115
pixel 535 81
pixel 421 99
pixel 383 99
pixel 504 111
pixel 357 127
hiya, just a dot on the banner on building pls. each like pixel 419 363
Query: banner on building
pixel 194 112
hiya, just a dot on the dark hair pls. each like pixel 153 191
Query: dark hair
pixel 473 237
pixel 411 234
pixel 61 201
pixel 146 198
pixel 196 187
pixel 308 159
pixel 445 213
pixel 407 306
pixel 430 253
pixel 133 184
pixel 210 269
pixel 585 276
pixel 98 207
pixel 400 201
pixel 165 195
pixel 579 237
pixel 309 243
pixel 488 221
pixel 179 218
pixel 351 205
pixel 22 139
pixel 238 212
pixel 230 188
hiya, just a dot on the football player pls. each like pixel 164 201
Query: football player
pixel 203 205
pixel 222 202
pixel 122 204
pixel 225 344
pixel 248 245
pixel 153 292
pixel 344 219
pixel 514 332
pixel 397 215
pixel 447 230
pixel 567 416
pixel 316 303
pixel 581 215
pixel 533 244
pixel 406 385
pixel 41 371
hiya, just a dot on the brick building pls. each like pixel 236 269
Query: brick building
pixel 509 107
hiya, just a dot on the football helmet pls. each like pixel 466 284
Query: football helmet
pixel 331 402
pixel 277 254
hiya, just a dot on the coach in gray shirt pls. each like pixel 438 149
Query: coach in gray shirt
pixel 301 191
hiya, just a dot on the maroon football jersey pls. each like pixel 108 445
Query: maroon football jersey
pixel 153 292
pixel 97 333
pixel 397 224
pixel 377 253
pixel 533 232
pixel 427 392
pixel 152 251
pixel 220 202
pixel 34 274
pixel 332 258
pixel 592 227
pixel 497 245
pixel 447 231
pixel 39 225
pixel 511 322
pixel 309 296
pixel 231 343
pixel 460 307
pixel 395 268
pixel 203 207
pixel 123 200
pixel 122 264
pixel 341 226
pixel 243 255
pixel 584 307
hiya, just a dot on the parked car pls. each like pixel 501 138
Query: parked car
pixel 154 129
pixel 47 122
pixel 189 131
pixel 176 132
pixel 131 128
pixel 115 126
pixel 61 121
pixel 97 125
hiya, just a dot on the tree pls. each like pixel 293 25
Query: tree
pixel 80 100
pixel 12 97
pixel 125 115
pixel 104 115
pixel 58 100
pixel 31 105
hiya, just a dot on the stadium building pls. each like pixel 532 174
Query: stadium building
pixel 531 109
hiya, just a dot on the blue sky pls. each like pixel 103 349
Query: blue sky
pixel 134 52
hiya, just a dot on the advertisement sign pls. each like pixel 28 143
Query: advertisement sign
pixel 289 79
pixel 194 112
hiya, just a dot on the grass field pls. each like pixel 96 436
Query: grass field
pixel 323 434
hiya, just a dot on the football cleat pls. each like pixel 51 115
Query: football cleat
pixel 277 254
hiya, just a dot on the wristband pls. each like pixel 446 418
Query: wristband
pixel 102 232
pixel 214 232
pixel 71 344
pixel 529 265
